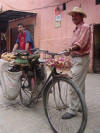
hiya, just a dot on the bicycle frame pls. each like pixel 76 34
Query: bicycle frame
pixel 33 65
pixel 53 74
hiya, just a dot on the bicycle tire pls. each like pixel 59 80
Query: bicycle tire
pixel 57 124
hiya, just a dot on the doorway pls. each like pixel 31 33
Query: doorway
pixel 96 34
pixel 3 38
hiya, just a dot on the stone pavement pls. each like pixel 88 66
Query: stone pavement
pixel 15 118
pixel 93 103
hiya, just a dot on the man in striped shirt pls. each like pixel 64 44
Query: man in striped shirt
pixel 79 50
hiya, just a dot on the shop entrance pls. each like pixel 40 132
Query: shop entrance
pixel 7 35
pixel 96 34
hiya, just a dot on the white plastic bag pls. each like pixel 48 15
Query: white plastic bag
pixel 10 81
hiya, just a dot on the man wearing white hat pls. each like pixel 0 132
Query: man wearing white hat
pixel 79 50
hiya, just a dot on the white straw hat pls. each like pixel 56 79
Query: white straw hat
pixel 77 10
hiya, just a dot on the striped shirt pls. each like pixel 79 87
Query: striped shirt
pixel 82 38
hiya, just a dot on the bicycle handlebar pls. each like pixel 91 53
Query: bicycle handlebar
pixel 49 53
pixel 59 53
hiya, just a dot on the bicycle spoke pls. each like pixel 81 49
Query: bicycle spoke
pixel 60 92
pixel 27 92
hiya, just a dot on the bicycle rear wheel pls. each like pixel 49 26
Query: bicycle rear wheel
pixel 26 91
pixel 31 89
pixel 56 101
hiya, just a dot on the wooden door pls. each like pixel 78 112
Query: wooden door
pixel 96 34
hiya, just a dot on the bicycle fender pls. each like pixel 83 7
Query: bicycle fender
pixel 63 75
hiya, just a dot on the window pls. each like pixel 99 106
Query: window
pixel 97 2
pixel 64 6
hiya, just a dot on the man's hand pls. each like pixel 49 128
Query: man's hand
pixel 15 47
pixel 68 50
pixel 26 46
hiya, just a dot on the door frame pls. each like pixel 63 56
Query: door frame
pixel 94 46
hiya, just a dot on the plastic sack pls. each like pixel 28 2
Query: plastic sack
pixel 10 81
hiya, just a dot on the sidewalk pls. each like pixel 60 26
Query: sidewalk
pixel 93 103
pixel 15 118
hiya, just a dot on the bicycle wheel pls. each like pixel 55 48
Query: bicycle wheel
pixel 26 91
pixel 56 101
pixel 31 89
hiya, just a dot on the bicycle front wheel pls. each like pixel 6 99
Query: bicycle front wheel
pixel 56 100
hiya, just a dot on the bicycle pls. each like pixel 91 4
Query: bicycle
pixel 55 90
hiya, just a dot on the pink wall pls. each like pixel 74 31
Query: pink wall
pixel 45 31
pixel 46 35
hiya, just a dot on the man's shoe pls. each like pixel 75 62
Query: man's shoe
pixel 68 116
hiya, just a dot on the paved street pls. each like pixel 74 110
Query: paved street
pixel 93 103
pixel 15 118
